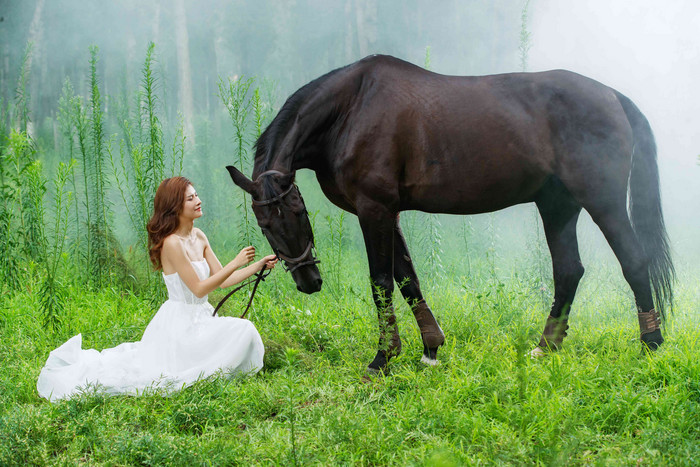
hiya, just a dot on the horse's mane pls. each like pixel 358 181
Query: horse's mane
pixel 268 142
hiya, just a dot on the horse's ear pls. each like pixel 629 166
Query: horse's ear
pixel 241 180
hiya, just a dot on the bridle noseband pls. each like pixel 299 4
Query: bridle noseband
pixel 307 257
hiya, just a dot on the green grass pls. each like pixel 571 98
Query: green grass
pixel 599 401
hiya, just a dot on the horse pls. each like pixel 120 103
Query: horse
pixel 384 136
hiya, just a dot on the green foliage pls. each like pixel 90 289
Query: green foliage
pixel 52 293
pixel 234 94
pixel 65 118
pixel 143 162
pixel 32 189
pixel 98 228
pixel 467 235
pixel 142 157
pixel 433 243
pixel 9 271
pixel 598 401
pixel 10 260
pixel 525 37
pixel 492 250
pixel 178 149
pixel 23 191
pixel 154 162
pixel 22 97
pixel 334 246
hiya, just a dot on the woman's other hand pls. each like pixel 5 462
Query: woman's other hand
pixel 246 255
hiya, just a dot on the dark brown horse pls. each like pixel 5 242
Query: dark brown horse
pixel 385 136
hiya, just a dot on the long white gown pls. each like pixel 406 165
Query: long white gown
pixel 181 344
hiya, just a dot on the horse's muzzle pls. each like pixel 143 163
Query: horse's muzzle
pixel 315 286
pixel 308 279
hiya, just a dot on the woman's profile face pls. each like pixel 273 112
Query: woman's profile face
pixel 192 206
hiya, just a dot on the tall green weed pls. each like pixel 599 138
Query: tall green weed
pixel 234 94
pixel 24 189
pixel 143 162
pixel 53 294
pixel 22 116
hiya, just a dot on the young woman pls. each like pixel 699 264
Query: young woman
pixel 183 342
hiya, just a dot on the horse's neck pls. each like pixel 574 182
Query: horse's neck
pixel 297 146
pixel 287 161
pixel 283 166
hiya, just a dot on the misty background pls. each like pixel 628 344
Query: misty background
pixel 649 51
pixel 644 49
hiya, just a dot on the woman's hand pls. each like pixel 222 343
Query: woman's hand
pixel 269 261
pixel 246 255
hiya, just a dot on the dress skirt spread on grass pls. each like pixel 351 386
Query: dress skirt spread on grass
pixel 181 344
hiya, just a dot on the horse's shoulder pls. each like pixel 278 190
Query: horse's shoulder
pixel 379 62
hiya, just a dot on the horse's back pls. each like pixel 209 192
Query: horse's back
pixel 489 141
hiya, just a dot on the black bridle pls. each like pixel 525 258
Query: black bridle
pixel 290 264
pixel 306 258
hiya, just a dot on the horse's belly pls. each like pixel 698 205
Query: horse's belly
pixel 461 192
pixel 466 205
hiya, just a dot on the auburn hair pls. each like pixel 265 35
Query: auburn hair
pixel 167 206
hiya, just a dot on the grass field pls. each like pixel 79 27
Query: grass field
pixel 599 401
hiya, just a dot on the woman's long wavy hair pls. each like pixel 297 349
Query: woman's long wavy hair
pixel 167 206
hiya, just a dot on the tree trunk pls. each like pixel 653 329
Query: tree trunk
pixel 4 74
pixel 349 33
pixel 156 23
pixel 222 59
pixel 366 17
pixel 184 70
pixel 36 30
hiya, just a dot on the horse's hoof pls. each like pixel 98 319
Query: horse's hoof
pixel 430 355
pixel 537 352
pixel 429 361
pixel 372 373
pixel 652 340
pixel 380 364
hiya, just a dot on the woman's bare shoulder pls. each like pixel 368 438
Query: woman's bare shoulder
pixel 172 242
pixel 198 232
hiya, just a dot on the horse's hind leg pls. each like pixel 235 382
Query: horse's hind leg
pixel 559 212
pixel 615 225
pixel 405 276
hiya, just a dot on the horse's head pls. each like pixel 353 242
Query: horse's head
pixel 281 214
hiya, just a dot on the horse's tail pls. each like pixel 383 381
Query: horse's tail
pixel 645 206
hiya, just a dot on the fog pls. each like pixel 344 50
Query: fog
pixel 648 50
pixel 643 48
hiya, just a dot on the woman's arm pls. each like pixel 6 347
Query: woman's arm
pixel 242 274
pixel 174 256
pixel 239 275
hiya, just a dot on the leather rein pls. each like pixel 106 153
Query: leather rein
pixel 263 273
pixel 259 277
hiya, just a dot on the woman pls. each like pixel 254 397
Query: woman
pixel 183 342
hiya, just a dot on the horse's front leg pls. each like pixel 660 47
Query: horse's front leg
pixel 405 276
pixel 378 225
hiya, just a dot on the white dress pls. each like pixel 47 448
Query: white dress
pixel 181 344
